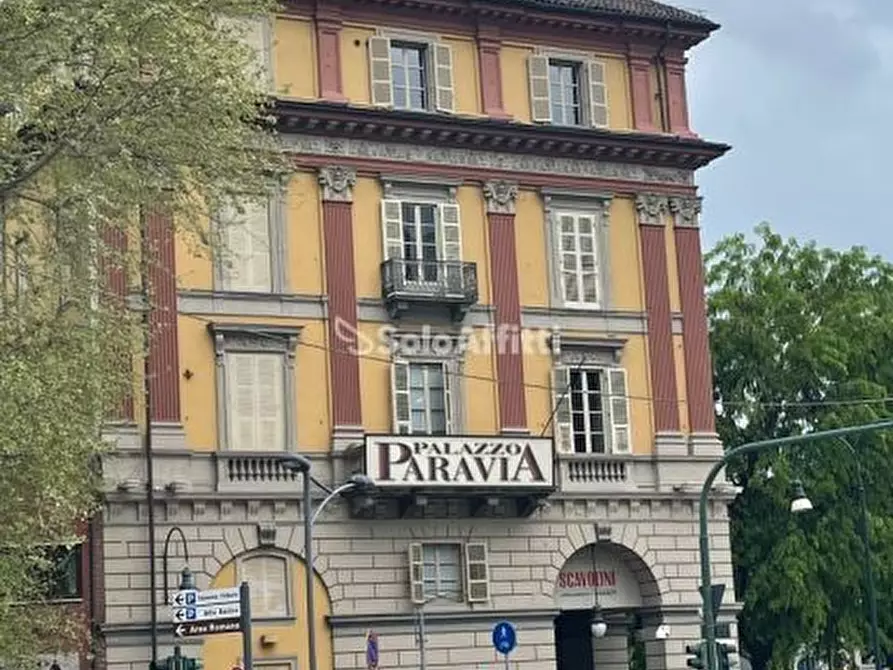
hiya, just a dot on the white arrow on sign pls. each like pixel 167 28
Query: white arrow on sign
pixel 213 597
pixel 207 613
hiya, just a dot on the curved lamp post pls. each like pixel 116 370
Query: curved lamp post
pixel 704 539
pixel 301 464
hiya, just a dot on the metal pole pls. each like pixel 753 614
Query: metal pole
pixel 245 615
pixel 421 612
pixel 308 570
pixel 704 539
pixel 167 543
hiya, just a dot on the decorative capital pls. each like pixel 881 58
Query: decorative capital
pixel 500 196
pixel 650 208
pixel 337 183
pixel 686 211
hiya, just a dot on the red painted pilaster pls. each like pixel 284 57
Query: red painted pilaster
pixel 328 53
pixel 337 184
pixel 642 92
pixel 489 49
pixel 677 102
pixel 114 241
pixel 164 358
pixel 698 366
pixel 507 304
pixel 652 210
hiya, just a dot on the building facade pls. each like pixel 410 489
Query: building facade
pixel 483 289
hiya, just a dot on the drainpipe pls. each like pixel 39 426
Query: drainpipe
pixel 147 430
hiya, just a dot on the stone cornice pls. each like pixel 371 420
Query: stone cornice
pixel 445 132
pixel 523 19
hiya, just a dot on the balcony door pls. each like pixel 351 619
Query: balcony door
pixel 421 251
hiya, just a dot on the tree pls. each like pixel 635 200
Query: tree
pixel 801 339
pixel 109 110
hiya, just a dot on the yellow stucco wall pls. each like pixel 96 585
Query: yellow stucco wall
pixel 516 89
pixel 294 58
pixel 222 652
pixel 681 386
pixel 627 288
pixel 198 393
pixel 539 397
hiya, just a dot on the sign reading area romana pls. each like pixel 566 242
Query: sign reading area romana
pixel 421 461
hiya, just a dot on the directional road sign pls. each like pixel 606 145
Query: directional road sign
pixel 505 638
pixel 192 598
pixel 207 612
pixel 194 628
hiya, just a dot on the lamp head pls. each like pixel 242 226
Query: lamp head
pixel 599 625
pixel 295 463
pixel 187 580
pixel 800 503
pixel 362 482
pixel 662 632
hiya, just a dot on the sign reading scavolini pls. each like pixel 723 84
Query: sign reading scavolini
pixel 407 461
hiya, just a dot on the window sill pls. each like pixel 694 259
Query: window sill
pixel 273 620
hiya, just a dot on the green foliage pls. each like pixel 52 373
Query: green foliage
pixel 108 109
pixel 802 339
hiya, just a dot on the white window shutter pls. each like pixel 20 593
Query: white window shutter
pixel 448 398
pixel 598 94
pixel 561 399
pixel 540 102
pixel 477 571
pixel 443 77
pixel 258 261
pixel 568 244
pixel 400 397
pixel 241 379
pixel 270 402
pixel 620 423
pixel 380 88
pixel 267 576
pixel 392 229
pixel 416 573
pixel 450 232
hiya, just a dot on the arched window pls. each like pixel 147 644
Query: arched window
pixel 269 576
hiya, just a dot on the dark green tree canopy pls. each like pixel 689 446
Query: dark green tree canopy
pixel 802 339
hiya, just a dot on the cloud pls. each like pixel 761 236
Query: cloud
pixel 803 90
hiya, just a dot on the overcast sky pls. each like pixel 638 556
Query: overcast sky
pixel 803 91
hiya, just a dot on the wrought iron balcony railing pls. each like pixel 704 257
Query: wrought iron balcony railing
pixel 452 284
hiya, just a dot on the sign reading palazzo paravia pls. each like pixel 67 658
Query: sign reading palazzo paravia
pixel 422 461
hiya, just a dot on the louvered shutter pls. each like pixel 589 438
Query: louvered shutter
pixel 241 378
pixel 392 229
pixel 450 244
pixel 477 572
pixel 540 101
pixel 619 411
pixel 416 573
pixel 258 260
pixel 381 91
pixel 235 239
pixel 267 576
pixel 568 247
pixel 447 399
pixel 562 428
pixel 400 397
pixel 443 77
pixel 270 402
pixel 598 94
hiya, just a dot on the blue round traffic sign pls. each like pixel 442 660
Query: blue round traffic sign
pixel 505 638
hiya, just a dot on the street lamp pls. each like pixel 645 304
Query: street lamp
pixel 800 503
pixel 301 464
pixel 599 625
pixel 704 539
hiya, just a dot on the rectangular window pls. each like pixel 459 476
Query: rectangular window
pixel 247 265
pixel 421 398
pixel 409 75
pixel 426 237
pixel 63 579
pixel 565 93
pixel 592 415
pixel 256 397
pixel 578 259
pixel 436 571
pixel 568 91
pixel 412 75
pixel 420 248
pixel 268 578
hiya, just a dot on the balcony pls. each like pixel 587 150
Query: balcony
pixel 410 283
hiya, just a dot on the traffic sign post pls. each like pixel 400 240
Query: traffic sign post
pixel 505 639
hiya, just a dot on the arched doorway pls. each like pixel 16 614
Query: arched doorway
pixel 617 581
pixel 278 606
